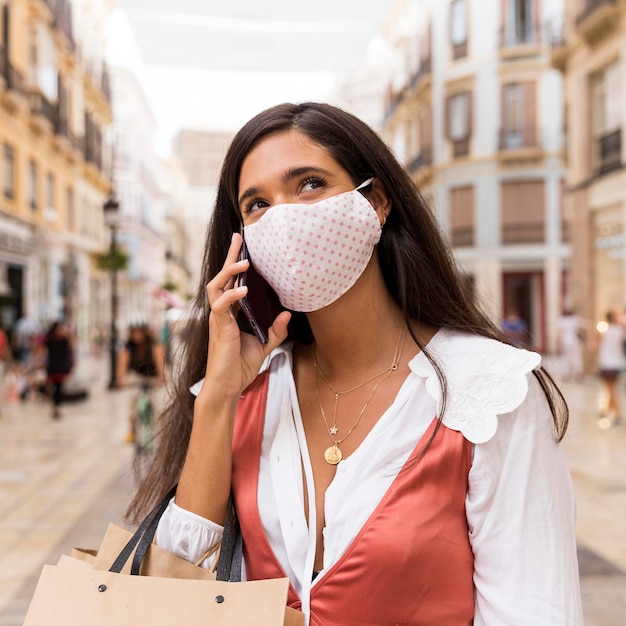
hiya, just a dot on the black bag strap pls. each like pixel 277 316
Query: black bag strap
pixel 231 550
pixel 142 537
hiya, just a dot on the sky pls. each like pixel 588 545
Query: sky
pixel 209 64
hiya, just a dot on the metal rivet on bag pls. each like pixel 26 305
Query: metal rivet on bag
pixel 219 599
pixel 102 588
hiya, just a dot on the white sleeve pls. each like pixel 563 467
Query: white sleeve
pixel 187 535
pixel 521 515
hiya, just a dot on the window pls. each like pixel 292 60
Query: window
pixel 42 61
pixel 459 122
pixel 518 116
pixel 9 172
pixel 523 212
pixel 519 22
pixel 458 28
pixel 50 204
pixel 32 185
pixel 459 127
pixel 69 209
pixel 462 216
pixel 606 123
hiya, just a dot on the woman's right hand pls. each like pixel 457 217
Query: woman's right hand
pixel 234 358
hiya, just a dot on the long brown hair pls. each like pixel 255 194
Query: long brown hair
pixel 417 265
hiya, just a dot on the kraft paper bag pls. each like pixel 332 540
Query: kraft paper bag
pixel 157 562
pixel 70 595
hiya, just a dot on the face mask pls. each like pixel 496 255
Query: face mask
pixel 311 254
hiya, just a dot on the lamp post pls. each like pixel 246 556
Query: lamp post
pixel 111 207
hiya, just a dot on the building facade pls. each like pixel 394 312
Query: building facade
pixel 475 110
pixel 54 110
pixel 591 52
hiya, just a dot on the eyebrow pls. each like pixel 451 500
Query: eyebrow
pixel 290 174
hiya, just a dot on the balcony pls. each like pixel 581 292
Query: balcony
pixel 520 40
pixel 597 19
pixel 462 236
pixel 12 78
pixel 424 70
pixel 555 34
pixel 42 107
pixel 523 232
pixel 460 147
pixel 609 152
pixel 519 144
pixel 423 159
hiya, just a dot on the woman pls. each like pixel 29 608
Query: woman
pixel 59 362
pixel 610 364
pixel 385 449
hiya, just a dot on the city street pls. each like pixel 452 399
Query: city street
pixel 62 482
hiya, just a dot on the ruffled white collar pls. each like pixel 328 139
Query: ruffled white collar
pixel 485 378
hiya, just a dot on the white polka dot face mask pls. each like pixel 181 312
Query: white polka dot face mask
pixel 311 254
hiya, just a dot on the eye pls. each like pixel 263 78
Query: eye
pixel 312 183
pixel 254 205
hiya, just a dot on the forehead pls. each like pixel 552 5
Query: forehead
pixel 280 151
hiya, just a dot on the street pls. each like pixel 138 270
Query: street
pixel 62 482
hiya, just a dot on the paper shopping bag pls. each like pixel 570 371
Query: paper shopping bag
pixel 69 595
pixel 156 562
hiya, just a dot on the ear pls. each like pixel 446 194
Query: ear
pixel 379 199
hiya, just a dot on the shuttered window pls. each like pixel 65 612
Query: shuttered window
pixel 462 216
pixel 523 212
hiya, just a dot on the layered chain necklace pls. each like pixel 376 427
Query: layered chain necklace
pixel 333 454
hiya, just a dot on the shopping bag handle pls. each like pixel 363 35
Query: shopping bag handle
pixel 231 550
pixel 142 537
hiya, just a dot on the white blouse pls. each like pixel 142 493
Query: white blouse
pixel 519 505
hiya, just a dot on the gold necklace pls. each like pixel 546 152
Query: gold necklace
pixel 333 454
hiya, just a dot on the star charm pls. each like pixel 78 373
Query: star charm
pixel 334 430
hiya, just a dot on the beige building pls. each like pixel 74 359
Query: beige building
pixel 475 111
pixel 54 109
pixel 592 56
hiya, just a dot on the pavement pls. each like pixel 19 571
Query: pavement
pixel 62 482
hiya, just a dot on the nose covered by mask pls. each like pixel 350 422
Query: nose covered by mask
pixel 312 254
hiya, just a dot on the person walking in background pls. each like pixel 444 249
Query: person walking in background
pixel 384 444
pixel 59 362
pixel 6 358
pixel 515 329
pixel 610 363
pixel 569 342
pixel 24 337
pixel 143 358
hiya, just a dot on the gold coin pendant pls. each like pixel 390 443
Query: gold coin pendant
pixel 333 455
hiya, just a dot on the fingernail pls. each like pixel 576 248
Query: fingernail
pixel 243 289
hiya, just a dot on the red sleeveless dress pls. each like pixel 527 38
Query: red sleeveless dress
pixel 411 562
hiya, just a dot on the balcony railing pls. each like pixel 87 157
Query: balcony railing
pixel 40 105
pixel 590 7
pixel 462 236
pixel 460 147
pixel 423 159
pixel 518 138
pixel 609 151
pixel 14 79
pixel 425 69
pixel 523 232
pixel 519 35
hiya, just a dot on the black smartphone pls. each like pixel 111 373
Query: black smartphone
pixel 256 299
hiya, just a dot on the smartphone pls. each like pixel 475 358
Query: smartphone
pixel 256 298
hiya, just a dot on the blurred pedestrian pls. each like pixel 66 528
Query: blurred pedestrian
pixel 143 359
pixel 59 362
pixel 514 327
pixel 610 363
pixel 6 358
pixel 24 337
pixel 570 333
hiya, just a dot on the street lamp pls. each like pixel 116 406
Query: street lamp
pixel 111 207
